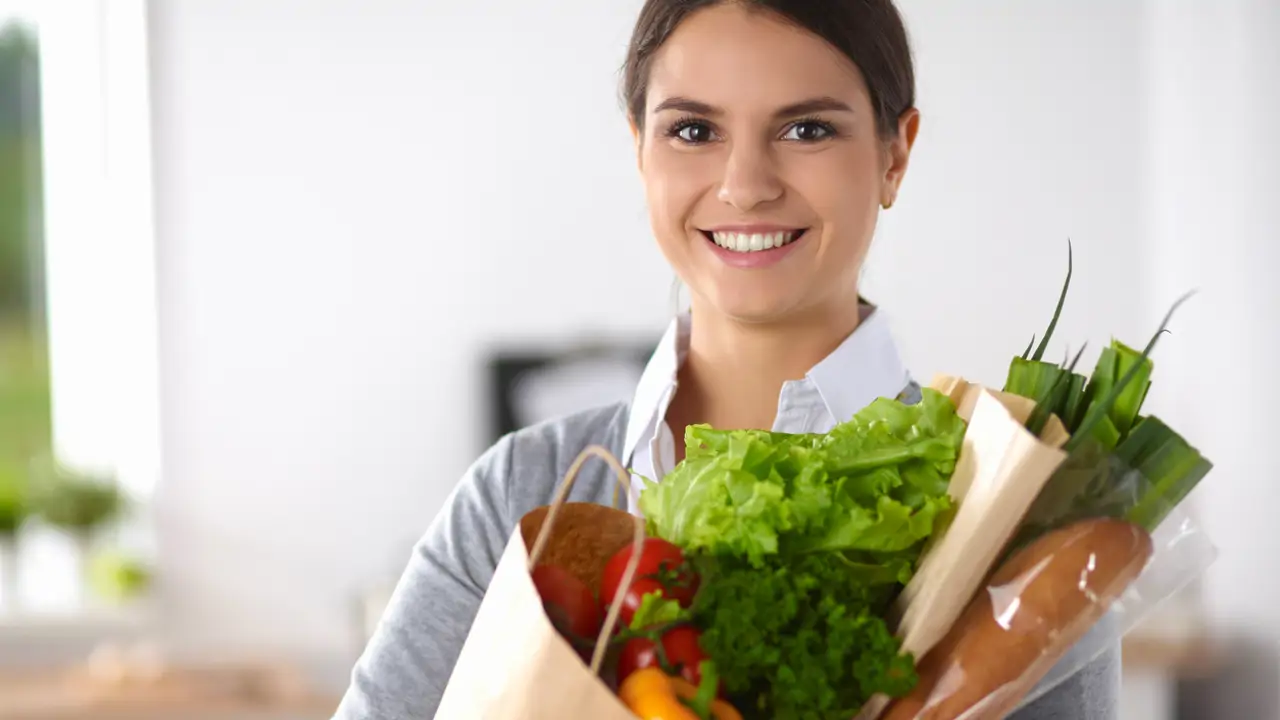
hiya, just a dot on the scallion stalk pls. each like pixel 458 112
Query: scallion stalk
pixel 1062 299
pixel 1101 409
pixel 1171 467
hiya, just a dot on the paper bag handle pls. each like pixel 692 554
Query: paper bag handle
pixel 544 535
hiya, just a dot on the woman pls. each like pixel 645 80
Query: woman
pixel 769 134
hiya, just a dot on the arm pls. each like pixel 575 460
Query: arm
pixel 404 669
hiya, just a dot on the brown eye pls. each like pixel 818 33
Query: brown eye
pixel 692 132
pixel 809 131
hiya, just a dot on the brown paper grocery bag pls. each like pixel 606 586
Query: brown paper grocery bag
pixel 1001 469
pixel 514 665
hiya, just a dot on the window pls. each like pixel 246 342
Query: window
pixel 25 424
pixel 25 400
pixel 78 345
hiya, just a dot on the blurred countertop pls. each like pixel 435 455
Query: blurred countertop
pixel 103 691
pixel 119 682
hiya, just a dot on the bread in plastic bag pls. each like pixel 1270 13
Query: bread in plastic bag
pixel 1100 549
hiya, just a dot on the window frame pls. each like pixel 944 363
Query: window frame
pixel 100 301
pixel 100 256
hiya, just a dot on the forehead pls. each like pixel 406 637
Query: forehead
pixel 740 59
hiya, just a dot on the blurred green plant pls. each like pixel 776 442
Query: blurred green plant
pixel 77 503
pixel 117 577
pixel 14 507
pixel 25 408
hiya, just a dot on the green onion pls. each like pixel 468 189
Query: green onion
pixel 1075 404
pixel 1120 464
pixel 1171 467
pixel 1129 403
pixel 1106 434
pixel 1115 361
pixel 1055 397
pixel 1056 389
pixel 1062 298
pixel 1100 409
pixel 1031 378
pixel 1103 379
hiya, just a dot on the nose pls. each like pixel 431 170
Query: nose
pixel 750 178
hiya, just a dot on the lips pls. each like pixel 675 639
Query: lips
pixel 750 242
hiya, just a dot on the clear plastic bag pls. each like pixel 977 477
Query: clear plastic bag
pixel 1182 552
pixel 1099 550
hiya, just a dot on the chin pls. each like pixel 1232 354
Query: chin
pixel 750 306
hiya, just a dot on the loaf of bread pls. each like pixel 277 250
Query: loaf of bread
pixel 1035 607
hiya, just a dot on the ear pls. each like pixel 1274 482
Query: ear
pixel 899 155
pixel 637 136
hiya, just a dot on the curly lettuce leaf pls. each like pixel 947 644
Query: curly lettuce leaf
pixel 713 503
pixel 877 482
pixel 890 526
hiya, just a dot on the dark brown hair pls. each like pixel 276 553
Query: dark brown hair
pixel 868 32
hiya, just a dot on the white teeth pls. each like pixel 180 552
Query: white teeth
pixel 752 242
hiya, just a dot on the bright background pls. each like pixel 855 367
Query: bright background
pixel 306 222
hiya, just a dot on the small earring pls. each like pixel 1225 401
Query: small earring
pixel 886 204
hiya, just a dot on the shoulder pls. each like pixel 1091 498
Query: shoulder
pixel 556 443
pixel 526 466
pixel 912 393
pixel 569 434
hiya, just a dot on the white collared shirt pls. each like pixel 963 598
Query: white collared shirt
pixel 866 366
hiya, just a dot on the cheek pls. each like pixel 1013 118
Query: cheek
pixel 675 182
pixel 843 191
pixel 842 184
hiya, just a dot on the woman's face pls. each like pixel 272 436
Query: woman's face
pixel 762 165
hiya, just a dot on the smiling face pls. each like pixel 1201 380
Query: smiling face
pixel 762 165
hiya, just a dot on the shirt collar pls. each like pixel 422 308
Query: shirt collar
pixel 866 366
pixel 654 391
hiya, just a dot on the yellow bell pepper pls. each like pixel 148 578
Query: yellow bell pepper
pixel 654 695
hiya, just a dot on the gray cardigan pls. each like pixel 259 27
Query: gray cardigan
pixel 403 671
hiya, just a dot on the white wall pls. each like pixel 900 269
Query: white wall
pixel 356 197
pixel 1031 135
pixel 1215 99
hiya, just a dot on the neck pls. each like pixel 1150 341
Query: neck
pixel 734 371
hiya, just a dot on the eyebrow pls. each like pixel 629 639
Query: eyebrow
pixel 804 107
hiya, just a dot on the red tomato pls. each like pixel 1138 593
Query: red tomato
pixel 682 649
pixel 569 603
pixel 661 568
